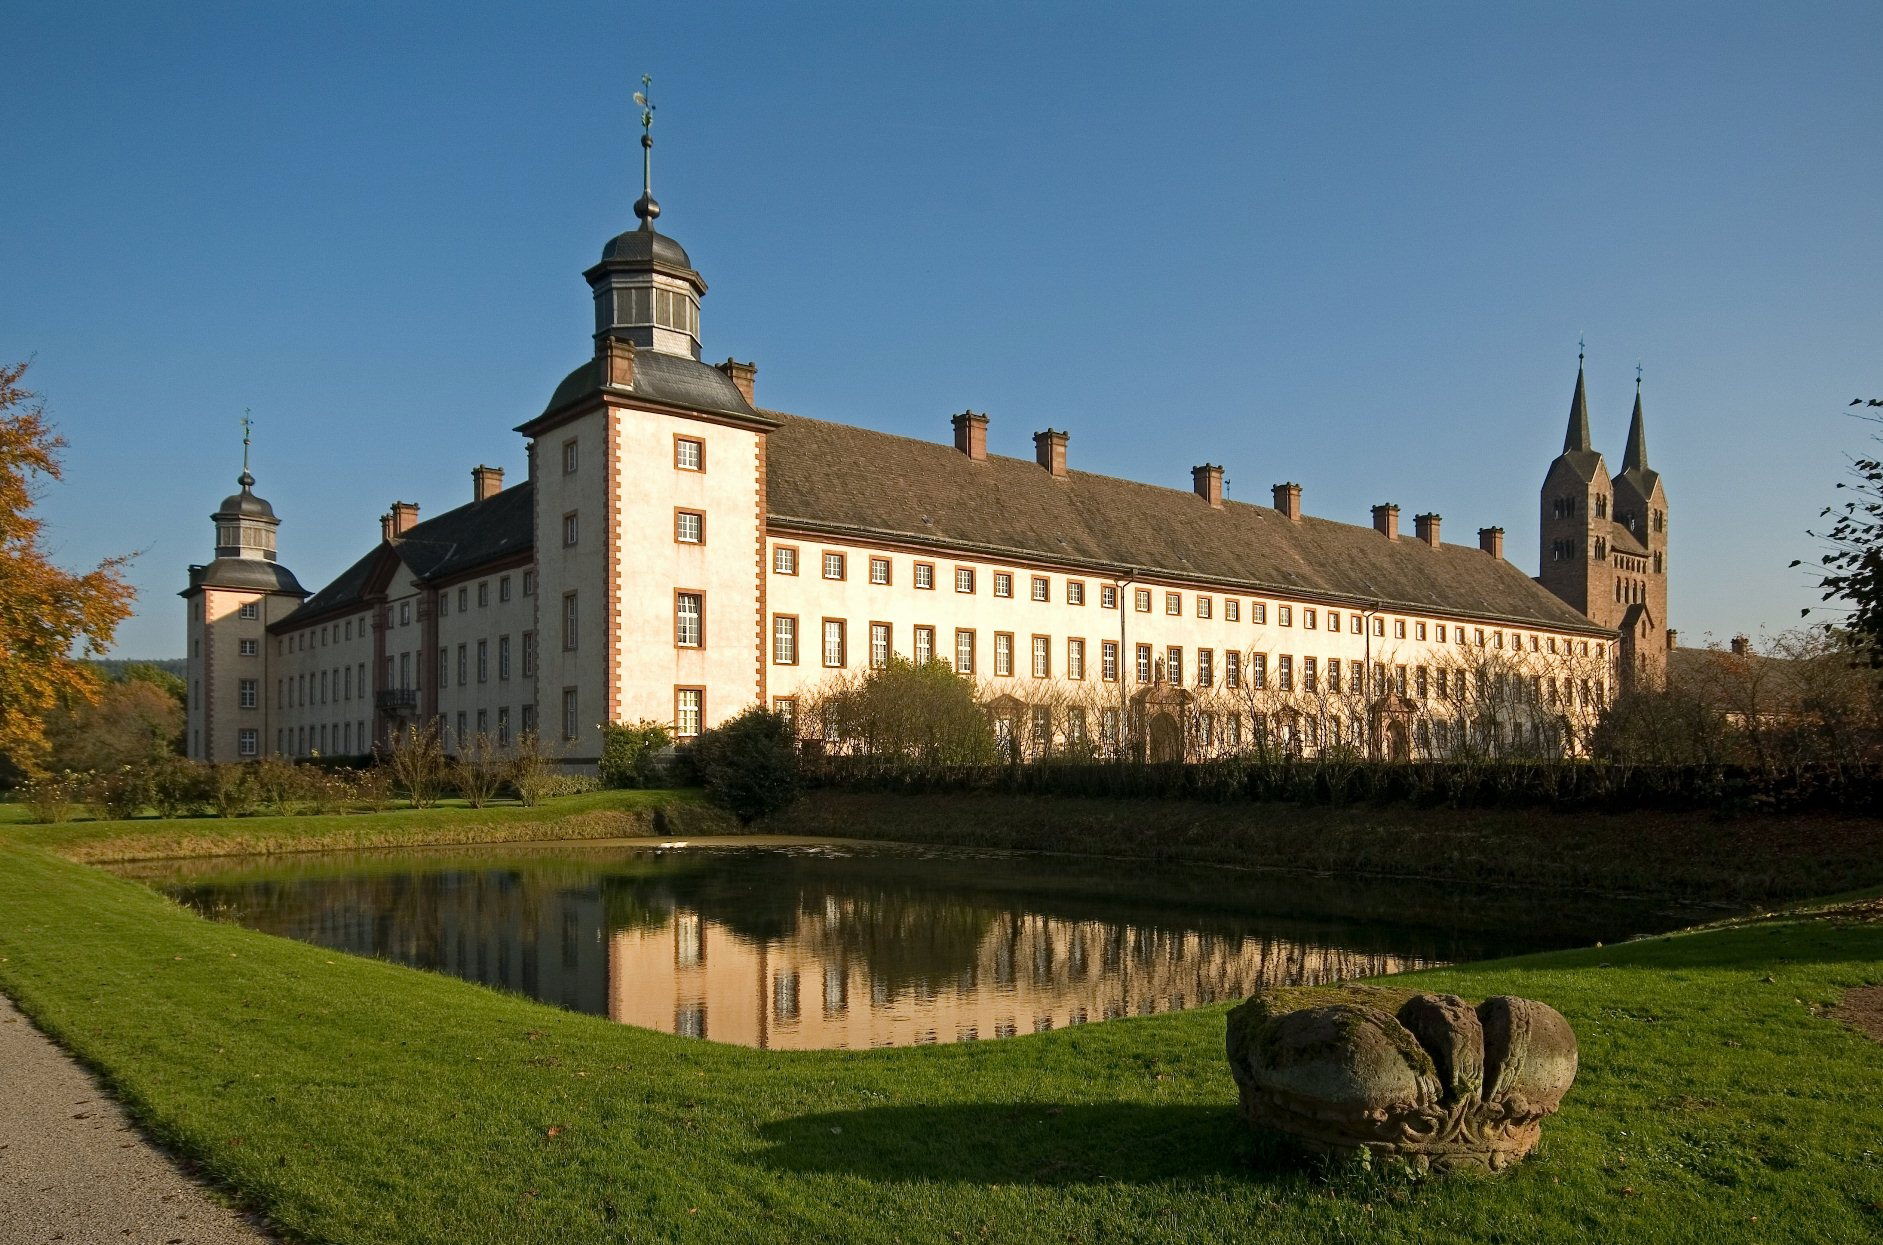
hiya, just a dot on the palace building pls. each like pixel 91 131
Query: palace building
pixel 680 552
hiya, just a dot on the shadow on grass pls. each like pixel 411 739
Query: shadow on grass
pixel 1019 1143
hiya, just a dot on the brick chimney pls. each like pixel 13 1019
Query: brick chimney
pixel 1288 501
pixel 617 358
pixel 744 375
pixel 1206 481
pixel 404 518
pixel 1049 450
pixel 1386 520
pixel 486 483
pixel 1491 540
pixel 1741 645
pixel 971 434
pixel 1672 637
pixel 1426 525
pixel 385 527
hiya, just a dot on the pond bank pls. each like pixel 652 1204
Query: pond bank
pixel 1691 857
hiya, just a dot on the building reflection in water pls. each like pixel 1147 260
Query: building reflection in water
pixel 789 951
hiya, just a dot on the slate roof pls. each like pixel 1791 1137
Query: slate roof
pixel 843 479
pixel 253 574
pixel 668 379
pixel 473 535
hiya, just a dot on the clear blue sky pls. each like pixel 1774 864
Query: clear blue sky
pixel 1348 245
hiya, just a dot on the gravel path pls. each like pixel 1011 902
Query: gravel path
pixel 73 1169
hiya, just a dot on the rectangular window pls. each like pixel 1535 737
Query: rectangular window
pixel 1285 672
pixel 1042 657
pixel 1003 583
pixel 1141 600
pixel 483 594
pixel 964 579
pixel 964 651
pixel 571 528
pixel 879 645
pixel 689 619
pixel 464 665
pixel 1232 669
pixel 785 560
pixel 1042 588
pixel 1108 660
pixel 689 527
pixel 1108 596
pixel 483 663
pixel 1258 613
pixel 834 643
pixel 786 707
pixel 1173 665
pixel 1333 674
pixel 1399 628
pixel 1205 667
pixel 503 588
pixel 248 741
pixel 569 457
pixel 1075 592
pixel 925 576
pixel 251 609
pixel 249 648
pixel 529 654
pixel 250 695
pixel 503 657
pixel 689 706
pixel 833 565
pixel 1204 607
pixel 503 727
pixel 1143 657
pixel 689 453
pixel 1232 609
pixel 1173 603
pixel 1284 616
pixel 784 640
pixel 1356 677
pixel 1333 620
pixel 1075 659
pixel 1419 632
pixel 568 622
pixel 568 713
pixel 1042 727
pixel 1310 675
pixel 1003 654
pixel 1308 620
pixel 924 645
pixel 1258 670
pixel 405 613
pixel 879 570
pixel 529 583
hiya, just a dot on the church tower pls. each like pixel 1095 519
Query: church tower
pixel 229 604
pixel 1603 541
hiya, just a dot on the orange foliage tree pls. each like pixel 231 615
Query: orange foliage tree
pixel 49 618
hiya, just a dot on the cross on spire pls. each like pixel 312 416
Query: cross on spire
pixel 246 480
pixel 645 207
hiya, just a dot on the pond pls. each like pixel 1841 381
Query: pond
pixel 808 944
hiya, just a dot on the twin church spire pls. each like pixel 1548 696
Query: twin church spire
pixel 1578 438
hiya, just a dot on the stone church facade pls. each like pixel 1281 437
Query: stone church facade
pixel 680 553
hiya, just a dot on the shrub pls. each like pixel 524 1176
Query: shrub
pixel 52 798
pixel 417 763
pixel 372 790
pixel 749 766
pixel 231 789
pixel 280 784
pixel 118 794
pixel 908 715
pixel 478 771
pixel 176 786
pixel 631 753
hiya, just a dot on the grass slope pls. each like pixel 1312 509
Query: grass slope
pixel 357 1101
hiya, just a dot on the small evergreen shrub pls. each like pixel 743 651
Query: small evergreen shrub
pixel 749 766
pixel 631 753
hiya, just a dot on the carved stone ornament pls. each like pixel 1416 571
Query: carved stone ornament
pixel 1423 1079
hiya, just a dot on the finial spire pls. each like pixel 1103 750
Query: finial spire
pixel 245 479
pixel 1577 437
pixel 1635 457
pixel 645 207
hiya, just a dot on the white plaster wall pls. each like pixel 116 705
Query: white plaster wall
pixel 460 691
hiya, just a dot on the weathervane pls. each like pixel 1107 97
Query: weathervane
pixel 1637 376
pixel 247 425
pixel 1582 346
pixel 645 207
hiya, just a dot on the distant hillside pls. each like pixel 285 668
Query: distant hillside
pixel 112 667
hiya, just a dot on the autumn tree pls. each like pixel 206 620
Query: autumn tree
pixel 1853 558
pixel 129 722
pixel 50 619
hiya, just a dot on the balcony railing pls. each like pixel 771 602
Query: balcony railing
pixel 398 700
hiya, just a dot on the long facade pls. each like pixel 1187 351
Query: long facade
pixel 680 553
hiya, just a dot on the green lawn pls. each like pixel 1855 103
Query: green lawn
pixel 357 1101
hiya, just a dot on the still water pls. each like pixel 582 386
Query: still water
pixel 806 944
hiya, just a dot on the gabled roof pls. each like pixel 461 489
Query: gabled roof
pixel 473 535
pixel 1620 538
pixel 848 480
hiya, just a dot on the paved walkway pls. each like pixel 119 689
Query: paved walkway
pixel 74 1170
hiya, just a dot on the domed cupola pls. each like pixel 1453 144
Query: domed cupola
pixel 646 289
pixel 245 523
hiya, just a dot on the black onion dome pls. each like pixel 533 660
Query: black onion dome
pixel 245 504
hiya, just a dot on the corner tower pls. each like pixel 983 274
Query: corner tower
pixel 228 606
